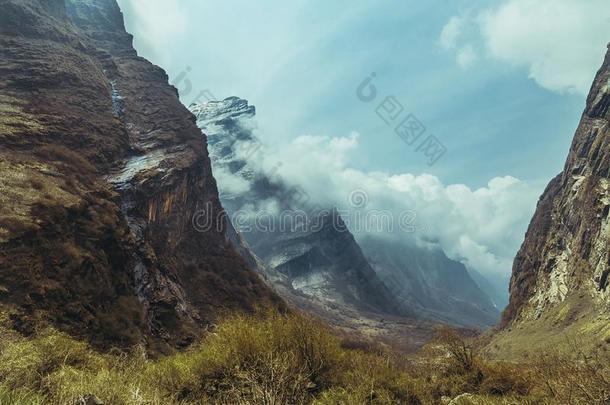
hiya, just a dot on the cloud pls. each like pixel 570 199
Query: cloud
pixel 482 228
pixel 451 32
pixel 466 56
pixel 561 43
pixel 233 185
pixel 452 37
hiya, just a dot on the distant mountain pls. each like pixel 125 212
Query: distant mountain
pixel 433 285
pixel 329 264
pixel 496 287
pixel 319 258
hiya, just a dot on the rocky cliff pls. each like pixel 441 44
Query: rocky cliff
pixel 101 173
pixel 328 264
pixel 560 275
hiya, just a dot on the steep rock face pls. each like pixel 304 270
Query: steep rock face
pixel 560 274
pixel 102 172
pixel 327 262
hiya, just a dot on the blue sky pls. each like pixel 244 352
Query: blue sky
pixel 300 62
pixel 501 83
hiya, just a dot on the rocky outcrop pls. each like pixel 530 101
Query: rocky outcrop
pixel 560 274
pixel 102 172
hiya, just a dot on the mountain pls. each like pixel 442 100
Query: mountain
pixel 496 287
pixel 328 264
pixel 102 172
pixel 435 286
pixel 560 284
pixel 319 257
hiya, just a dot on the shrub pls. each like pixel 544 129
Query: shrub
pixel 504 378
pixel 573 376
pixel 272 359
pixel 357 343
pixel 459 349
pixel 78 163
pixel 289 359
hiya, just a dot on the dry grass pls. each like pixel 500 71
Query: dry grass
pixel 23 185
pixel 572 376
pixel 14 121
pixel 577 318
pixel 290 359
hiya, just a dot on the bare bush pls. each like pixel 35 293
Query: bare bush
pixel 574 377
pixel 460 350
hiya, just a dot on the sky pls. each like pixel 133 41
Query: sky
pixel 499 84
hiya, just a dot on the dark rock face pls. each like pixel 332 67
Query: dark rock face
pixel 102 171
pixel 565 259
pixel 327 263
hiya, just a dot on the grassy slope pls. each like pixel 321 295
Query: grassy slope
pixel 574 320
pixel 277 359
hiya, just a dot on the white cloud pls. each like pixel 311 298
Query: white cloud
pixel 231 184
pixel 451 32
pixel 561 43
pixel 483 228
pixel 452 37
pixel 466 56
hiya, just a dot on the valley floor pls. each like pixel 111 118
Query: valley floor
pixel 291 359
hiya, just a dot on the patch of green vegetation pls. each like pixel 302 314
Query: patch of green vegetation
pixel 577 318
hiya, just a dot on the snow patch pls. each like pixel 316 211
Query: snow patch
pixel 137 164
